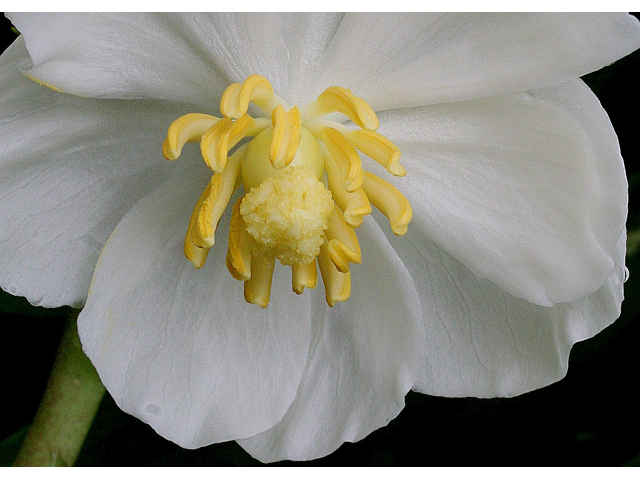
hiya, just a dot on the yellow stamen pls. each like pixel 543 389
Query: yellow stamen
pixel 354 205
pixel 257 289
pixel 238 252
pixel 221 188
pixel 222 137
pixel 337 285
pixel 379 148
pixel 286 136
pixel 195 254
pixel 188 128
pixel 255 89
pixel 289 211
pixel 388 199
pixel 343 246
pixel 304 275
pixel 338 99
pixel 346 158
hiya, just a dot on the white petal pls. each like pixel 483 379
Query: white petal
pixel 527 190
pixel 364 358
pixel 483 342
pixel 70 168
pixel 180 348
pixel 180 57
pixel 402 60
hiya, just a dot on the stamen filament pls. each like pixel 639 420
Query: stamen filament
pixel 304 276
pixel 222 186
pixel 255 89
pixel 238 252
pixel 343 246
pixel 379 148
pixel 188 128
pixel 257 289
pixel 388 199
pixel 338 99
pixel 286 136
pixel 337 285
pixel 195 254
pixel 222 137
pixel 345 156
pixel 354 205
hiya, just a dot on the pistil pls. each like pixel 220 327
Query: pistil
pixel 305 191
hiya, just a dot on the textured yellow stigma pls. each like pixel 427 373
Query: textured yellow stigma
pixel 305 189
pixel 287 216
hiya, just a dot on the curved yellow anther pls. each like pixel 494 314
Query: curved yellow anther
pixel 257 289
pixel 379 148
pixel 337 285
pixel 304 276
pixel 354 205
pixel 221 188
pixel 223 136
pixel 338 99
pixel 286 136
pixel 188 128
pixel 342 246
pixel 388 199
pixel 345 156
pixel 195 254
pixel 238 252
pixel 236 98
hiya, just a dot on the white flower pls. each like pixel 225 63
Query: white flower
pixel 515 251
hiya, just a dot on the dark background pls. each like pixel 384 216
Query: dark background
pixel 589 418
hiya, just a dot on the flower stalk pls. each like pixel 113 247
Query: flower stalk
pixel 68 406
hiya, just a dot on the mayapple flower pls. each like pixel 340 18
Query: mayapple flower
pixel 458 188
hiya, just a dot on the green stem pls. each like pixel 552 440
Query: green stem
pixel 67 409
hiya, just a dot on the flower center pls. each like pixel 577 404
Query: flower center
pixel 305 189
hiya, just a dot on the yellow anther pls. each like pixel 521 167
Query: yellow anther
pixel 304 276
pixel 286 136
pixel 338 99
pixel 195 254
pixel 337 285
pixel 236 98
pixel 379 148
pixel 188 128
pixel 343 246
pixel 238 252
pixel 388 199
pixel 346 158
pixel 257 289
pixel 222 137
pixel 354 205
pixel 221 188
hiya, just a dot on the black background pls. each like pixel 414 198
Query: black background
pixel 589 418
